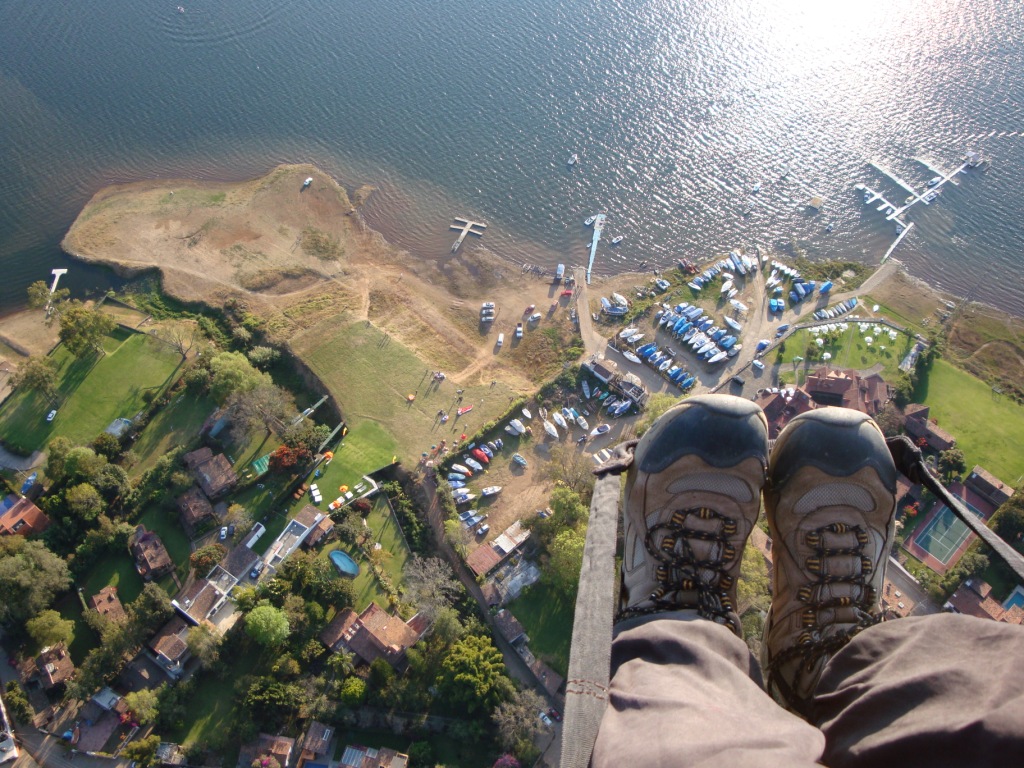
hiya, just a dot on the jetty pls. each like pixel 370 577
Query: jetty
pixel 466 227
pixel 598 226
pixel 917 197
pixel 872 196
pixel 886 172
pixel 896 242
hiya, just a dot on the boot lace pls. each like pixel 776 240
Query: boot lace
pixel 682 572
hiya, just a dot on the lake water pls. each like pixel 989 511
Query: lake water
pixel 677 109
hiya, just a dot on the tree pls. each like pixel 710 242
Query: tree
pixel 32 572
pixel 306 435
pixel 38 373
pixel 39 295
pixel 48 628
pixel 952 462
pixel 1008 520
pixel 430 584
pixel 56 457
pixel 113 484
pixel 353 692
pixel 516 719
pixel 239 516
pixel 204 644
pixel 890 419
pixel 264 405
pixel 180 335
pixel 473 675
pixel 267 625
pixel 341 664
pixel 17 703
pixel 272 703
pixel 144 705
pixel 570 467
pixel 82 329
pixel 204 558
pixel 507 761
pixel 232 372
pixel 84 502
pixel 105 444
pixel 81 464
pixel 142 751
pixel 285 458
pixel 565 558
pixel 263 357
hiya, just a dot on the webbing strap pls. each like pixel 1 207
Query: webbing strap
pixel 910 461
pixel 586 690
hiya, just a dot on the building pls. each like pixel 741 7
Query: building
pixel 316 743
pixel 51 668
pixel 368 757
pixel 199 601
pixel 974 598
pixel 108 604
pixel 487 557
pixel 266 746
pixel 19 515
pixel 320 533
pixel 212 472
pixel 848 389
pixel 294 534
pixel 170 647
pixel 194 510
pixel 510 627
pixel 919 427
pixel 988 486
pixel 373 634
pixel 150 554
pixel 781 406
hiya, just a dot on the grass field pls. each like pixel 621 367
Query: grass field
pixel 92 392
pixel 70 607
pixel 387 533
pixel 850 351
pixel 371 375
pixel 547 615
pixel 177 423
pixel 989 428
pixel 447 750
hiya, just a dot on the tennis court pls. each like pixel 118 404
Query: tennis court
pixel 944 534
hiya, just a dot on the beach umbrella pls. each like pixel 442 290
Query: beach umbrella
pixel 342 488
pixel 820 342
pixel 827 356
pixel 874 308
pixel 328 454
pixel 868 340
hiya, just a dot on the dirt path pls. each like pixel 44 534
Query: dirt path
pixel 593 341
pixel 20 463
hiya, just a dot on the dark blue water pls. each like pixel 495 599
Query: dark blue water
pixel 471 108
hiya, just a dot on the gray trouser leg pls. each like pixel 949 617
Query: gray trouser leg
pixel 688 693
pixel 929 691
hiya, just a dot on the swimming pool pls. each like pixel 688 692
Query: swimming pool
pixel 1016 599
pixel 344 563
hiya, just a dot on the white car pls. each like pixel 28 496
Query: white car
pixel 487 305
pixel 545 719
pixel 51 415
pixel 758 364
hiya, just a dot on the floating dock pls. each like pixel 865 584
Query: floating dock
pixel 932 166
pixel 467 227
pixel 885 171
pixel 871 197
pixel 598 226
pixel 922 196
pixel 896 242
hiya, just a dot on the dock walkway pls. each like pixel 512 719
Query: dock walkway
pixel 467 227
pixel 598 226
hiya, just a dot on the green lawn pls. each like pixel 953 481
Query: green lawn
pixel 114 570
pixel 849 351
pixel 547 615
pixel 92 392
pixel 989 429
pixel 387 533
pixel 448 750
pixel 371 376
pixel 177 423
pixel 69 606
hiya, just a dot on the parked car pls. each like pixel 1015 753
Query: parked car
pixel 51 415
pixel 257 570
pixel 545 719
pixel 231 529
pixel 483 529
pixel 555 715
pixel 223 533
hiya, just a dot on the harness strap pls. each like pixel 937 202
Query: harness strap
pixel 910 461
pixel 590 657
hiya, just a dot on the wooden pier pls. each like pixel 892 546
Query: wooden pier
pixel 930 164
pixel 466 227
pixel 922 196
pixel 598 226
pixel 885 205
pixel 896 242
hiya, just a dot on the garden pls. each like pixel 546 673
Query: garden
pixel 846 349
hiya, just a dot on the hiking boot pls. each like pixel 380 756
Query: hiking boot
pixel 692 496
pixel 831 507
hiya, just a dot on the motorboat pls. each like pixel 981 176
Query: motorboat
pixel 456 476
pixel 617 239
pixel 517 425
pixel 559 419
pixel 465 499
pixel 573 159
pixel 726 286
pixel 665 365
pixel 486 450
pixel 718 358
pixel 631 357
pixel 455 484
pixel 462 470
pixel 476 465
pixel 733 324
pixel 550 428
pixel 491 490
pixel 590 221
pixel 518 459
pixel 526 414
pixel 480 456
pixel 582 423
pixel 619 299
pixel 600 429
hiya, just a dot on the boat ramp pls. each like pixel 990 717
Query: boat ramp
pixel 467 227
pixel 598 226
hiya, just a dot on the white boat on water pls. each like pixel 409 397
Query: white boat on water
pixel 590 221
pixel 733 324
pixel 582 423
pixel 526 414
pixel 627 332
pixel 573 159
pixel 600 429
pixel 559 419
pixel 619 299
pixel 550 429
pixel 631 357
pixel 617 239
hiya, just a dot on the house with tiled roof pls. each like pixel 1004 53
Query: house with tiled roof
pixel 848 389
pixel 781 406
pixel 170 646
pixel 510 627
pixel 20 516
pixel 213 472
pixel 151 558
pixel 51 668
pixel 199 601
pixel 320 533
pixel 267 746
pixel 919 426
pixel 974 598
pixel 357 756
pixel 988 486
pixel 107 603
pixel 371 635
pixel 316 743
pixel 194 510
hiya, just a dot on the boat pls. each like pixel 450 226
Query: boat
pixel 517 425
pixel 582 423
pixel 586 390
pixel 590 221
pixel 486 450
pixel 726 286
pixel 756 188
pixel 694 286
pixel 543 412
pixel 480 456
pixel 456 484
pixel 473 463
pixel 621 408
pixel 499 442
pixel 559 419
pixel 618 298
pixel 600 429
pixel 526 414
pixel 664 365
pixel 462 470
pixel 465 499
pixel 709 345
pixel 307 182
pixel 627 332
pixel 617 310
pixel 605 304
pixel 739 305
pixel 617 239
pixel 611 402
pixel 492 447
pixel 718 358
pixel 573 159
pixel 733 324
pixel 456 476
pixel 518 459
pixel 567 413
pixel 634 338
pixel 732 293
pixel 603 396
pixel 464 410
pixel 511 430
pixel 491 490
pixel 550 428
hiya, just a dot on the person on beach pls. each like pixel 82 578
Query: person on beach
pixel 836 686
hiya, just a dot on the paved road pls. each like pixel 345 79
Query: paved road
pixel 9 460
pixel 905 583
